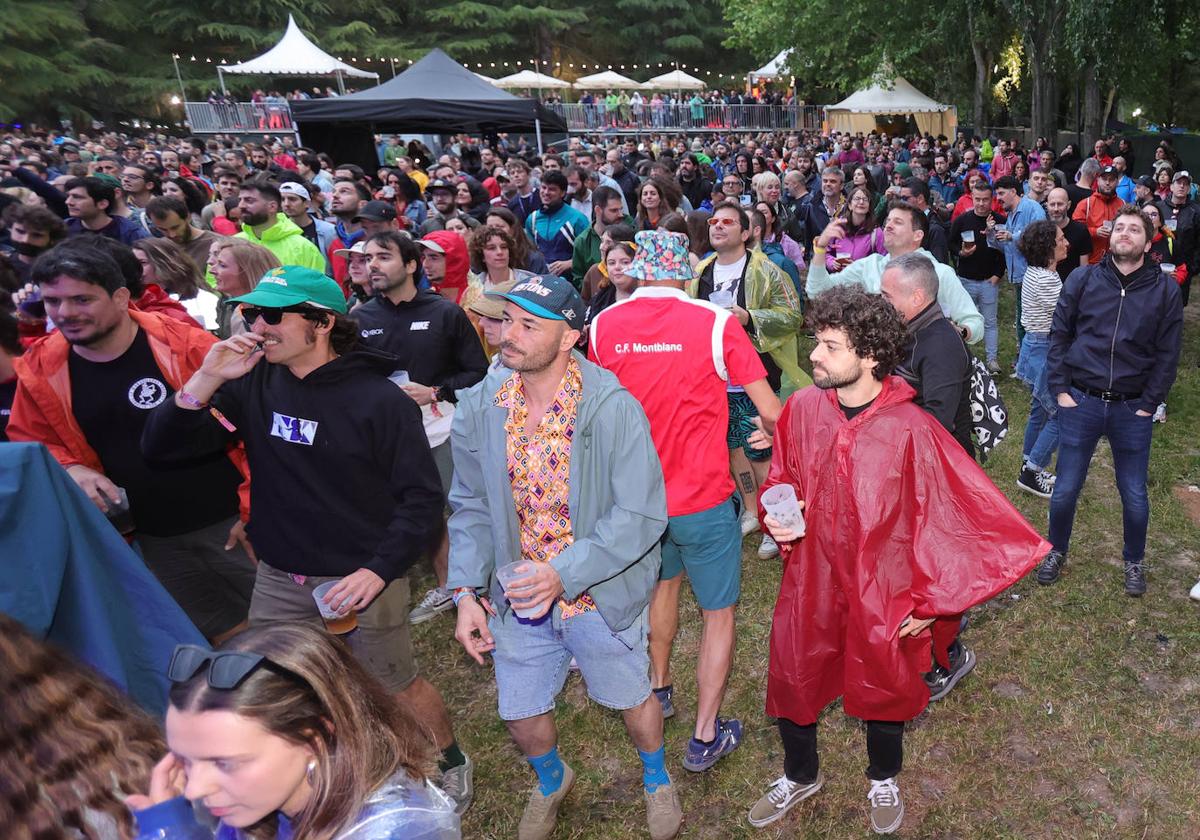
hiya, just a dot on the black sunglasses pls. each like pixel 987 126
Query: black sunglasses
pixel 271 315
pixel 226 669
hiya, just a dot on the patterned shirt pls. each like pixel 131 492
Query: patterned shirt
pixel 539 468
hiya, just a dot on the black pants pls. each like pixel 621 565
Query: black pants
pixel 885 750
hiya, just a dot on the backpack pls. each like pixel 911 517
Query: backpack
pixel 989 417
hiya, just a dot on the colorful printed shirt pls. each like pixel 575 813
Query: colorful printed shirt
pixel 539 468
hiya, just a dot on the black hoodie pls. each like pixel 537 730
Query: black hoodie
pixel 341 473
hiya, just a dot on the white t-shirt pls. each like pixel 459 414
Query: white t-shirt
pixel 728 278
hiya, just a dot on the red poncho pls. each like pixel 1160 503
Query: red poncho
pixel 900 520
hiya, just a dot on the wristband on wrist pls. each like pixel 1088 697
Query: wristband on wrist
pixel 463 592
pixel 189 400
pixel 819 249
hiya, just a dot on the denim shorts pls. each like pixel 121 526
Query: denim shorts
pixel 532 659
pixel 708 546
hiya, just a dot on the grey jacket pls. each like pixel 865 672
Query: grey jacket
pixel 617 498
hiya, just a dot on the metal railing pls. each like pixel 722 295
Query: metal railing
pixel 688 118
pixel 232 117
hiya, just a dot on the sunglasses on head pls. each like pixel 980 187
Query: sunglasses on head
pixel 269 314
pixel 226 669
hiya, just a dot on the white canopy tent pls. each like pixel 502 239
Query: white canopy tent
pixel 530 79
pixel 774 68
pixel 487 79
pixel 295 55
pixel 858 111
pixel 675 80
pixel 607 79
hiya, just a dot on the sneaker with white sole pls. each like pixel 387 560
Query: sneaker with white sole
pixel 664 814
pixel 436 600
pixel 1195 593
pixel 1037 482
pixel 541 812
pixel 749 522
pixel 777 801
pixel 768 548
pixel 887 808
pixel 458 783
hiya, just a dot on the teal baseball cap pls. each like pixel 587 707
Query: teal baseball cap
pixel 294 285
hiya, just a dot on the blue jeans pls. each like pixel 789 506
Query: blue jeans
pixel 1041 432
pixel 985 295
pixel 1129 434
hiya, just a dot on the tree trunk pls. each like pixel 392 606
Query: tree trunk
pixel 1042 92
pixel 1109 101
pixel 1093 120
pixel 983 63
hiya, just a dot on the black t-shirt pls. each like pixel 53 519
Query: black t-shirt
pixel 7 391
pixel 1079 244
pixel 1077 194
pixel 985 261
pixel 310 232
pixel 110 401
pixel 851 413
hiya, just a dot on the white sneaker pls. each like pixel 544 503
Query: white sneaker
pixel 768 548
pixel 1160 413
pixel 749 522
pixel 436 600
pixel 887 808
pixel 1195 593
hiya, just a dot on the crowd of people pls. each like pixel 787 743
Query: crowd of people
pixel 567 382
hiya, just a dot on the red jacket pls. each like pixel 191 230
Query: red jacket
pixel 900 520
pixel 153 299
pixel 41 409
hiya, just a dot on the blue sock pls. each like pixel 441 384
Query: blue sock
pixel 549 769
pixel 654 768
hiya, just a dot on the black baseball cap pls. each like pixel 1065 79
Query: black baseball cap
pixel 441 184
pixel 1147 182
pixel 1109 170
pixel 377 211
pixel 547 296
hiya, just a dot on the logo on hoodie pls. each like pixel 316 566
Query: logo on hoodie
pixel 293 429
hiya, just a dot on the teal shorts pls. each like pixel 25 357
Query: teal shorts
pixel 708 546
pixel 741 425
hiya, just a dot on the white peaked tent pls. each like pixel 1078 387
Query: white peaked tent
pixel 606 80
pixel 675 80
pixel 295 55
pixel 530 79
pixel 857 112
pixel 773 68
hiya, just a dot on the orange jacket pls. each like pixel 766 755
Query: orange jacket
pixel 1093 212
pixel 41 409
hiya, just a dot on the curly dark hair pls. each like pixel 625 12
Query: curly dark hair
pixel 874 328
pixel 1037 243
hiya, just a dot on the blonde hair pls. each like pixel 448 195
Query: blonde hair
pixel 253 261
pixel 74 746
pixel 174 268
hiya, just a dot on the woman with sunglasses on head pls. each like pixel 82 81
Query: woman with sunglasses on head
pixel 282 734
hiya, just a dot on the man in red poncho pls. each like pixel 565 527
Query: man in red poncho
pixel 902 527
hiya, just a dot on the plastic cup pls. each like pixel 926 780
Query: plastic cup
pixel 968 236
pixel 781 504
pixel 1172 224
pixel 1167 268
pixel 400 377
pixel 336 622
pixel 844 255
pixel 512 573
pixel 723 298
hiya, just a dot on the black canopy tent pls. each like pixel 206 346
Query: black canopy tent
pixel 437 95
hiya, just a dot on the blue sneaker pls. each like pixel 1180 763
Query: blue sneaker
pixel 665 699
pixel 701 756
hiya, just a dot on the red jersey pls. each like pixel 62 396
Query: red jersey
pixel 677 355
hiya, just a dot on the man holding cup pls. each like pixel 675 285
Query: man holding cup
pixel 902 527
pixel 1097 211
pixel 344 486
pixel 558 503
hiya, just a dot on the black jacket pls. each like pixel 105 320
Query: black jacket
pixel 938 365
pixel 341 473
pixel 698 190
pixel 430 336
pixel 1113 337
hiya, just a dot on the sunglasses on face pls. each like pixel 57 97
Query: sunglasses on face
pixel 714 222
pixel 226 669
pixel 271 316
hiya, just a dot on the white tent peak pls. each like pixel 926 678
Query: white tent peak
pixel 675 80
pixel 607 79
pixel 895 96
pixel 531 79
pixel 296 55
pixel 774 67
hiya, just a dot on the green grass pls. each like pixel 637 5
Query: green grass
pixel 1081 720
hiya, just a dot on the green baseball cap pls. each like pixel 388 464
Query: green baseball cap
pixel 292 285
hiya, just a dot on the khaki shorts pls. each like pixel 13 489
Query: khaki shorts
pixel 382 642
